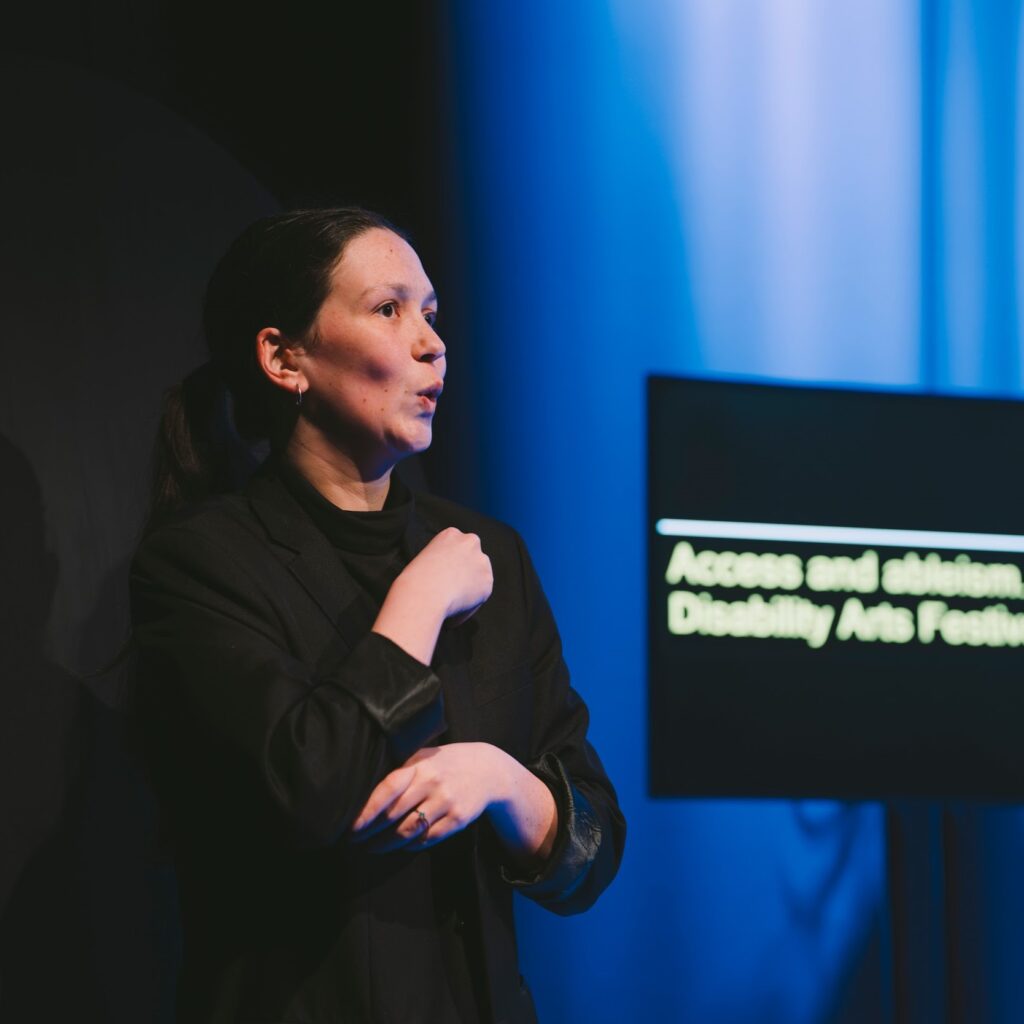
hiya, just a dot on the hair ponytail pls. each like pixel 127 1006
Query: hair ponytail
pixel 199 450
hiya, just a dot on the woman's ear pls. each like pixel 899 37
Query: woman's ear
pixel 279 360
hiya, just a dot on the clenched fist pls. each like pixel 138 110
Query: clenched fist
pixel 449 579
pixel 453 570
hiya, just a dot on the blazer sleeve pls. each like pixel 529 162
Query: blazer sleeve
pixel 219 687
pixel 591 827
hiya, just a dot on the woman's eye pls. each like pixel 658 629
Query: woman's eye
pixel 389 309
pixel 430 317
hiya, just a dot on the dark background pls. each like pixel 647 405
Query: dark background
pixel 139 139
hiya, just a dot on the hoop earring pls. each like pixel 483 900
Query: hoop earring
pixel 298 396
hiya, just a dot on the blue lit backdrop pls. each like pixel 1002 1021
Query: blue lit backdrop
pixel 789 189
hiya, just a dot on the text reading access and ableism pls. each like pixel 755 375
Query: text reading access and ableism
pixel 937 589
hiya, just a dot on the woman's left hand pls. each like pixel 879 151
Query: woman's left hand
pixel 441 790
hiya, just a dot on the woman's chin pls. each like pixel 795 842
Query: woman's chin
pixel 413 443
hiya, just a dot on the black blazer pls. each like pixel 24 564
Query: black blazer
pixel 271 711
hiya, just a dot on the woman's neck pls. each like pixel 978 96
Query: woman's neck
pixel 337 476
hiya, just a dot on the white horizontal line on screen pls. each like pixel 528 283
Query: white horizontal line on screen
pixel 859 536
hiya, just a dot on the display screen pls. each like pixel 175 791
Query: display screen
pixel 836 593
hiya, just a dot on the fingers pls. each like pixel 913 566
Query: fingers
pixel 396 795
pixel 447 825
pixel 394 817
pixel 419 818
pixel 416 833
pixel 423 754
pixel 412 829
pixel 457 620
pixel 438 791
pixel 390 815
pixel 388 790
pixel 457 569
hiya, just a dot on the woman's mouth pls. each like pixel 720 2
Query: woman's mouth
pixel 428 396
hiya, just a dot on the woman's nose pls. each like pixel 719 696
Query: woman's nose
pixel 429 346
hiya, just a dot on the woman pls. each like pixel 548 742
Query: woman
pixel 357 714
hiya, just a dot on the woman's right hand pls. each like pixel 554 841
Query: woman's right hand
pixel 451 570
pixel 450 578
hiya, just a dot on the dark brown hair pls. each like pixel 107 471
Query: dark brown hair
pixel 220 421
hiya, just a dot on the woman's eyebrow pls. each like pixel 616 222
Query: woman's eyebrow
pixel 401 291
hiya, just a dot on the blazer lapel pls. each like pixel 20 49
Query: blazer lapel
pixel 309 556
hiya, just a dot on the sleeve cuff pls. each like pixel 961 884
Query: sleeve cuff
pixel 402 695
pixel 576 843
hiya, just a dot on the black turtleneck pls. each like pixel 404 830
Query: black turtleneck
pixel 372 545
pixel 374 548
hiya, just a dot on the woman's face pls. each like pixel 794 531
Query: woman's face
pixel 373 378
